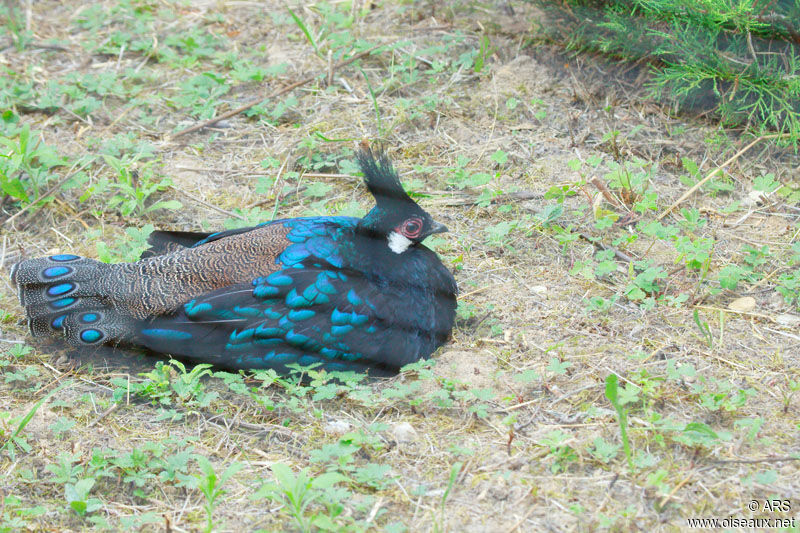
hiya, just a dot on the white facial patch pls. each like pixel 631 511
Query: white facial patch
pixel 398 243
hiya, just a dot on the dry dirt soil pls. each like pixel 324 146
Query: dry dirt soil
pixel 510 428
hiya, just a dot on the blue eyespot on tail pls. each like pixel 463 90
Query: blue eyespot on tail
pixel 62 303
pixel 91 335
pixel 89 318
pixel 60 289
pixel 56 272
pixel 64 257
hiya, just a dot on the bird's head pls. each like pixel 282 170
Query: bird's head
pixel 395 217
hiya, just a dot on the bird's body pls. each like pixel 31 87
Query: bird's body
pixel 351 294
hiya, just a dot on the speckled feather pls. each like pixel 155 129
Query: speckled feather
pixel 309 290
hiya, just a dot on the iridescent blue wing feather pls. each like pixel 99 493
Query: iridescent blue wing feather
pixel 315 309
pixel 315 314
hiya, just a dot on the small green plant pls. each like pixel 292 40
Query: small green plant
pixel 549 215
pixel 645 283
pixel 67 468
pixel 540 114
pixel 562 454
pixel 12 15
pixel 14 514
pixel 475 58
pixel 698 434
pixel 498 234
pixel 632 180
pixel 185 48
pixel 557 366
pixel 612 390
pixel 188 385
pixel 202 94
pixel 604 451
pixel 463 178
pixel 22 376
pixel 126 249
pixel 484 52
pixel 717 394
pixel 376 109
pixel 154 387
pixel 658 480
pixel 25 166
pixel 210 484
pixel 455 469
pixel 62 426
pixel 751 425
pixel 704 328
pixel 132 188
pixel 695 253
pixel 16 440
pixel 788 283
pixel 169 381
pixel 302 25
pixel 299 492
pixel 793 387
pixel 77 496
pixel 136 467
pixel 610 137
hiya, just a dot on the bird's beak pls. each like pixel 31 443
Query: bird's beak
pixel 437 228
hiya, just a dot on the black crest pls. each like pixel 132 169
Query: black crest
pixel 380 177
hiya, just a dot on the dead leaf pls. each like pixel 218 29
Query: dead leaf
pixel 743 305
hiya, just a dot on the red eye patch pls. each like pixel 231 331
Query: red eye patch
pixel 411 228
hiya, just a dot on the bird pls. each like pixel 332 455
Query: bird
pixel 341 293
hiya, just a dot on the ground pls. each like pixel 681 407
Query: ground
pixel 569 298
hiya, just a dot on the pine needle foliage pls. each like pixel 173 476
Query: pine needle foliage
pixel 739 59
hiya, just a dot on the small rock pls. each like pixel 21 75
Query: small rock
pixel 337 427
pixel 753 198
pixel 785 319
pixel 743 305
pixel 404 432
pixel 539 289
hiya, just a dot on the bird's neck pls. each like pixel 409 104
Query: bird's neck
pixel 369 223
pixel 373 252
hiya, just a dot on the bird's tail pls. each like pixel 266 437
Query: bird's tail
pixel 61 296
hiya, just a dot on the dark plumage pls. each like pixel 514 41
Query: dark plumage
pixel 352 294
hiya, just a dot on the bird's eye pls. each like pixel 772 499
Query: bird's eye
pixel 412 227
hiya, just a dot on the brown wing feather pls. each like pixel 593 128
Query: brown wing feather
pixel 158 285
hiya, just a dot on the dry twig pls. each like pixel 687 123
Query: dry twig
pixel 714 172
